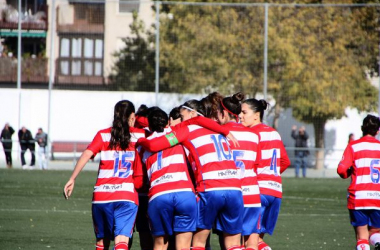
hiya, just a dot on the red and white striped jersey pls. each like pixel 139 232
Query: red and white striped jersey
pixel 363 155
pixel 210 155
pixel 167 170
pixel 245 159
pixel 273 160
pixel 116 168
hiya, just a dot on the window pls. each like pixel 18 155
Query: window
pixel 81 56
pixel 128 6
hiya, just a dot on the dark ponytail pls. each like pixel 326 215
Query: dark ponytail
pixel 257 106
pixel 120 135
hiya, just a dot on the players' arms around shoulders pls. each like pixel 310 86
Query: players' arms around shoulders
pixel 180 133
pixel 211 125
pixel 84 158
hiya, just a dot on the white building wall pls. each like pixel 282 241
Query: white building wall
pixel 116 27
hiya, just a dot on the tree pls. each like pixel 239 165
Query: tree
pixel 329 65
pixel 319 58
pixel 134 69
pixel 210 48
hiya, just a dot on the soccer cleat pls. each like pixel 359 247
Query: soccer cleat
pixel 377 246
pixel 25 167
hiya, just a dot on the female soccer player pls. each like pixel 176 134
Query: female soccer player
pixel 361 161
pixel 273 161
pixel 172 203
pixel 217 179
pixel 114 202
pixel 245 158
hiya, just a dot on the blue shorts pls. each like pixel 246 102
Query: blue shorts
pixel 362 217
pixel 251 220
pixel 113 219
pixel 142 222
pixel 270 208
pixel 222 208
pixel 173 212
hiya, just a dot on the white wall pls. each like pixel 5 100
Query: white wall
pixel 78 115
pixel 75 115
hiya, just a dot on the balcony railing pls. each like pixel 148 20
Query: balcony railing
pixel 33 70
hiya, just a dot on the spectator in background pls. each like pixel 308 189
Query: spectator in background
pixel 6 140
pixel 26 142
pixel 174 117
pixel 351 137
pixel 42 140
pixel 301 155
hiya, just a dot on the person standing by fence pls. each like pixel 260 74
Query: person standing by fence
pixel 361 161
pixel 42 140
pixel 301 155
pixel 26 142
pixel 6 140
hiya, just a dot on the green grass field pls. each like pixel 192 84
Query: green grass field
pixel 34 215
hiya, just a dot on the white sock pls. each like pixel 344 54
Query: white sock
pixel 363 247
pixel 374 238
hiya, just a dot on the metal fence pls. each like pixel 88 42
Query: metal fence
pixel 315 60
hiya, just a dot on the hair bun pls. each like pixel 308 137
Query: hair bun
pixel 238 97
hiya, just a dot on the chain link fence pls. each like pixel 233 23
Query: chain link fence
pixel 314 63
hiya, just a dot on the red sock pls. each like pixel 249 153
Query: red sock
pixel 264 246
pixel 99 247
pixel 197 248
pixel 121 246
pixel 362 244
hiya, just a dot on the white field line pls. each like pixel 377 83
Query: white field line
pixel 316 215
pixel 312 199
pixel 44 210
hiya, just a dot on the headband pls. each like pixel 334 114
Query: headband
pixel 188 108
pixel 236 116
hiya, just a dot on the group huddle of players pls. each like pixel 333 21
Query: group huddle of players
pixel 210 165
pixel 227 176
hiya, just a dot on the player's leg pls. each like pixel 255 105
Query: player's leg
pixel 142 224
pixel 185 218
pixel 360 220
pixel 374 238
pixel 270 209
pixel 251 227
pixel 161 214
pixel 161 242
pixel 374 229
pixel 230 218
pixel 124 217
pixel 208 207
pixel 102 244
pixel 102 217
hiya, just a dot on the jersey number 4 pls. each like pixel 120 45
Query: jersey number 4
pixel 273 163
